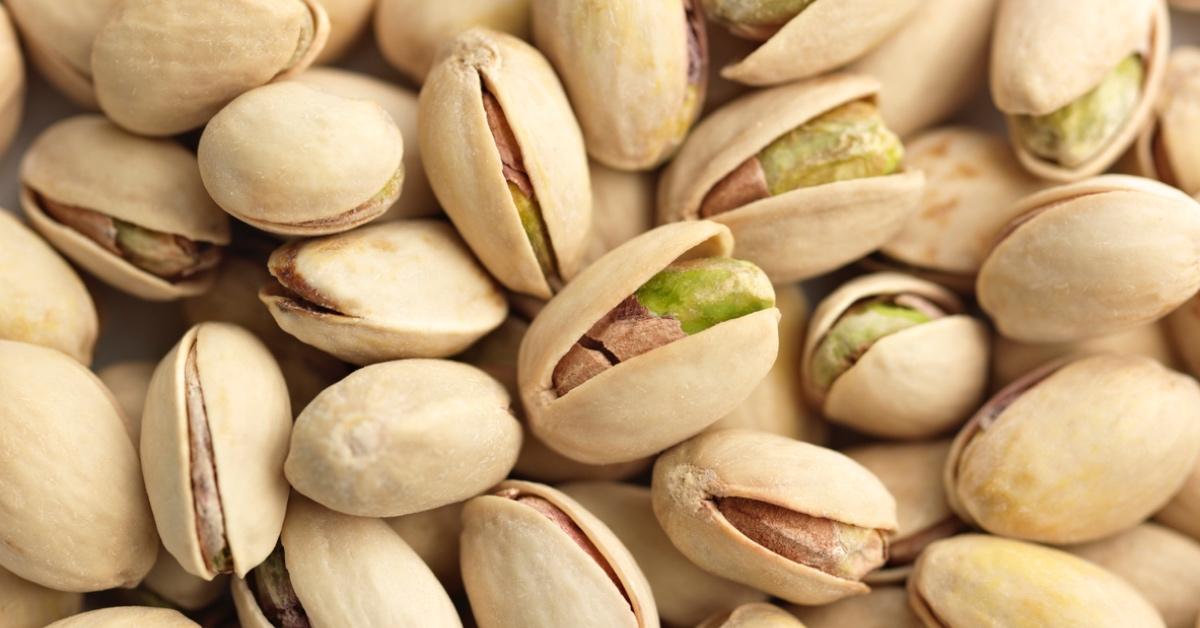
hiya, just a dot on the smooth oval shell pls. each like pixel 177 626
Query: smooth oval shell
pixel 1175 125
pixel 58 37
pixel 685 385
pixel 1183 511
pixel 1012 359
pixel 348 20
pixel 883 607
pixel 27 605
pixel 410 32
pixel 124 616
pixel 758 615
pixel 433 535
pixel 12 82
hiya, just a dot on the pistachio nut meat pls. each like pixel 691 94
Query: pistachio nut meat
pixel 214 436
pixel 1091 258
pixel 433 534
pixel 58 38
pixel 121 616
pixel 1165 149
pixel 798 521
pixel 806 176
pixel 1183 511
pixel 636 72
pixel 666 325
pixel 410 32
pixel 12 82
pixel 401 437
pixel 505 157
pixel 348 19
pixel 294 160
pixel 29 605
pixel 883 607
pixel 1006 473
pixel 757 615
pixel 128 209
pixel 1077 80
pixel 1012 359
pixel 129 381
pixel 205 54
pixel 425 296
pixel 954 585
pixel 895 356
pixel 532 556
pixel 67 457
pixel 304 580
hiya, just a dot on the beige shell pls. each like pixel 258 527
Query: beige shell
pixel 24 604
pixel 74 515
pixel 400 289
pixel 124 616
pixel 883 607
pixel 249 419
pixel 773 469
pixel 1166 147
pixel 129 382
pixel 58 39
pixel 1011 583
pixel 433 535
pixel 758 615
pixel 797 234
pixel 401 437
pixel 685 386
pixel 294 160
pixel 45 303
pixel 410 32
pixel 348 20
pixel 12 82
pixel 510 547
pixel 622 207
pixel 1012 359
pixel 171 583
pixel 820 38
pixel 325 550
pixel 684 594
pixel 163 67
pixel 1095 447
pixel 1048 53
pixel 915 383
pixel 1183 511
pixel 465 168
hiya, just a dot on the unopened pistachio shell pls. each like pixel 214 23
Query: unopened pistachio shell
pixel 883 607
pixel 294 160
pixel 163 67
pixel 58 37
pixel 425 295
pixel 1183 511
pixel 1166 147
pixel 170 583
pixel 402 437
pixel 347 21
pixel 1012 359
pixel 24 604
pixel 798 521
pixel 567 566
pixel 410 32
pixel 67 459
pixel 1092 258
pixel 129 382
pixel 433 535
pixel 961 581
pixel 758 615
pixel 623 207
pixel 123 616
pixel 12 82
pixel 1075 452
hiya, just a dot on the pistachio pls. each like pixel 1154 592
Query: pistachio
pixel 272 589
pixel 861 326
pixel 883 607
pixel 1183 511
pixel 410 32
pixel 169 585
pixel 754 19
pixel 623 207
pixel 120 616
pixel 58 38
pixel 347 21
pixel 1164 150
pixel 433 535
pixel 12 82
pixel 29 605
pixel 757 615
pixel 1011 359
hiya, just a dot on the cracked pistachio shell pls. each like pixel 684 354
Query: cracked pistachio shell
pixel 352 571
pixel 1012 359
pixel 466 170
pixel 348 21
pixel 757 615
pixel 805 232
pixel 1166 149
pixel 1092 258
pixel 401 437
pixel 972 578
pixel 89 163
pixel 294 160
pixel 690 479
pixel 172 584
pixel 685 385
pixel 915 383
pixel 12 82
pixel 45 303
pixel 684 594
pixel 248 420
pixel 163 67
pixel 1130 429
pixel 410 32
pixel 1183 511
pixel 129 382
pixel 66 458
pixel 123 616
pixel 433 535
pixel 523 568
pixel 24 604
pixel 58 38
pixel 425 296
pixel 623 207
pixel 1046 54
pixel 883 607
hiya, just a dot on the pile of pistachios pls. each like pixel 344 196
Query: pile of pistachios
pixel 496 314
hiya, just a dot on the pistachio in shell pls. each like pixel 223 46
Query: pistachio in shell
pixel 58 38
pixel 1012 359
pixel 757 615
pixel 169 585
pixel 883 607
pixel 129 381
pixel 433 535
pixel 1165 147
pixel 347 21
pixel 29 605
pixel 121 616
pixel 410 32
pixel 1183 511
pixel 12 82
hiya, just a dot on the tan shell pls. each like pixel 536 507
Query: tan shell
pixel 684 594
pixel 294 160
pixel 955 583
pixel 622 207
pixel 124 616
pixel 1175 126
pixel 12 82
pixel 58 38
pixel 1097 446
pixel 401 437
pixel 171 583
pixel 883 607
pixel 433 535
pixel 508 546
pixel 67 460
pixel 1092 258
pixel 24 604
pixel 325 550
pixel 410 32
pixel 772 469
pixel 820 38
pixel 686 385
pixel 45 303
pixel 464 165
pixel 129 382
pixel 757 615
pixel 249 419
pixel 163 67
pixel 915 383
pixel 1048 53
pixel 1012 359
pixel 424 295
pixel 805 232
pixel 348 21
pixel 1183 511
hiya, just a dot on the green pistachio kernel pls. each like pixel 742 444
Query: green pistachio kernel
pixel 755 12
pixel 855 332
pixel 535 229
pixel 159 253
pixel 703 292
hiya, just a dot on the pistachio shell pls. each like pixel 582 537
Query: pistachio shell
pixel 1130 433
pixel 1184 327
pixel 1092 258
pixel 466 168
pixel 1183 511
pixel 66 458
pixel 425 296
pixel 1166 147
pixel 883 607
pixel 12 82
pixel 685 385
pixel 623 207
pixel 410 32
pixel 129 382
pixel 163 67
pixel 28 605
pixel 172 584
pixel 122 616
pixel 433 535
pixel 58 38
pixel 692 479
pixel 347 21
pixel 402 437
pixel 807 231
pixel 1012 359
pixel 757 615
